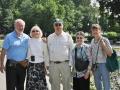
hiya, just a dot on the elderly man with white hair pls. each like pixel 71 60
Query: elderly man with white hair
pixel 15 47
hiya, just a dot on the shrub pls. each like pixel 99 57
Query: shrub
pixel 112 36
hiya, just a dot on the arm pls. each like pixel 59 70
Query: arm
pixel 46 55
pixel 29 51
pixel 71 46
pixel 6 45
pixel 105 44
pixel 2 59
pixel 71 62
pixel 89 57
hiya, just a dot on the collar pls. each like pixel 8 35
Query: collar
pixel 15 34
pixel 62 34
pixel 82 45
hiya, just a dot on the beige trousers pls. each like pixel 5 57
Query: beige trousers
pixel 60 73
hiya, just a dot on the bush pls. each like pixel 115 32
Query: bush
pixel 112 36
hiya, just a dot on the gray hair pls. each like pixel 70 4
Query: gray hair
pixel 80 33
pixel 19 20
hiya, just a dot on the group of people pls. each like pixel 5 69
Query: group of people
pixel 34 56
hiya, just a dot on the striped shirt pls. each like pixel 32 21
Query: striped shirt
pixel 100 57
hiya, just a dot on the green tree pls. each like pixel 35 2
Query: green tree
pixel 6 15
pixel 110 9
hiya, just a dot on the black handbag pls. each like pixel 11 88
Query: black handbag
pixel 80 64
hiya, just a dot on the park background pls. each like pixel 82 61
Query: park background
pixel 78 15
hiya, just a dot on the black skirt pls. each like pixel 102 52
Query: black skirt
pixel 36 77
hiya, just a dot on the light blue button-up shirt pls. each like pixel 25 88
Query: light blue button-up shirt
pixel 16 47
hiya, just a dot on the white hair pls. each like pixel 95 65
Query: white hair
pixel 36 27
pixel 19 20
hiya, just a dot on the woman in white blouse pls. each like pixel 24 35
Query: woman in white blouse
pixel 81 63
pixel 37 55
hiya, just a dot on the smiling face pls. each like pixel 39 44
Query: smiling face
pixel 36 32
pixel 79 39
pixel 19 26
pixel 58 27
pixel 96 30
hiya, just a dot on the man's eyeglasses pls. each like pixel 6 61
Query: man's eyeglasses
pixel 58 24
pixel 35 31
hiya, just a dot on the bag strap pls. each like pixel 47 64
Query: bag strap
pixel 76 53
pixel 85 53
pixel 97 53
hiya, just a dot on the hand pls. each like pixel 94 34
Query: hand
pixel 91 73
pixel 44 40
pixel 47 67
pixel 87 74
pixel 102 43
pixel 47 70
pixel 2 68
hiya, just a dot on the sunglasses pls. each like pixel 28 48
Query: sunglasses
pixel 58 24
pixel 79 37
pixel 35 31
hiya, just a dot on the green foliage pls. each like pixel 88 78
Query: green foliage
pixel 76 14
pixel 112 36
pixel 110 11
pixel 1 42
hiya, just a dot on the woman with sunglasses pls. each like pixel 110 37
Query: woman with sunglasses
pixel 37 55
pixel 81 63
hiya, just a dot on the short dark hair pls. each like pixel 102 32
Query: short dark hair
pixel 95 26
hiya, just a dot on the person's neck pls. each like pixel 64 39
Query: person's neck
pixel 36 37
pixel 58 33
pixel 97 38
pixel 19 34
pixel 79 44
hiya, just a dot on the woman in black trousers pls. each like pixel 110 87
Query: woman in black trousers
pixel 81 63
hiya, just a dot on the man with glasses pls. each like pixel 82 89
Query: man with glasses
pixel 15 47
pixel 60 45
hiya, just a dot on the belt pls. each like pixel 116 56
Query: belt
pixel 32 64
pixel 11 61
pixel 58 62
pixel 14 61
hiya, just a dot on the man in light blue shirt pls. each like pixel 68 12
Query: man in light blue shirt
pixel 15 47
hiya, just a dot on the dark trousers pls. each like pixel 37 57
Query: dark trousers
pixel 15 76
pixel 81 83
